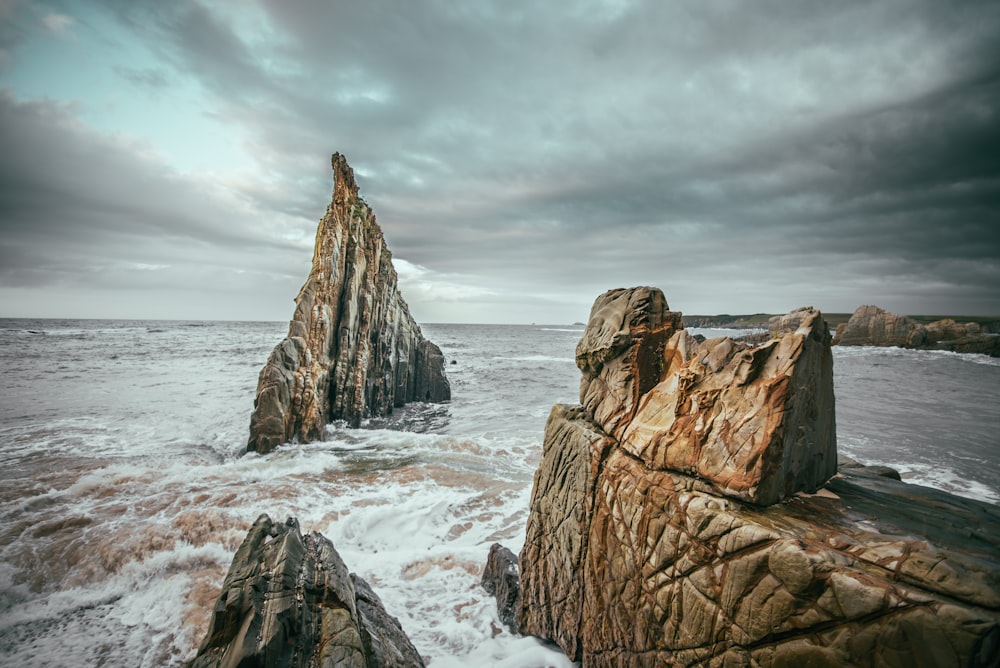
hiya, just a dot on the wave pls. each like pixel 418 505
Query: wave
pixel 911 354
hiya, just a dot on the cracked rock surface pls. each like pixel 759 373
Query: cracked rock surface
pixel 288 600
pixel 664 531
pixel 353 350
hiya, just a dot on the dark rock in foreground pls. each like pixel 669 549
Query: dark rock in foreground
pixel 353 350
pixel 633 560
pixel 289 601
pixel 502 580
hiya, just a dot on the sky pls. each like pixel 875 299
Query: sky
pixel 172 159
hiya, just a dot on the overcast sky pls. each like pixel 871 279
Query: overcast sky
pixel 171 159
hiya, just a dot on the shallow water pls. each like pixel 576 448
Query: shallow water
pixel 125 492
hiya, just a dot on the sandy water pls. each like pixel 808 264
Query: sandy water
pixel 124 492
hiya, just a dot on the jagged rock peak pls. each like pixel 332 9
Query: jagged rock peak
pixel 353 350
pixel 344 185
pixel 289 600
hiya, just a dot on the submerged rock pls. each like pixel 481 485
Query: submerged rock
pixel 353 350
pixel 288 600
pixel 647 545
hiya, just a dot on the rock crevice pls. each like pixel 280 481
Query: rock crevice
pixel 288 600
pixel 698 517
pixel 353 350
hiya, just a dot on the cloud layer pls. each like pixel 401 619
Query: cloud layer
pixel 521 158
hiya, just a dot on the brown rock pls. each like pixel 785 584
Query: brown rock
pixel 620 353
pixel 288 600
pixel 756 422
pixel 789 322
pixel 353 350
pixel 873 326
pixel 628 562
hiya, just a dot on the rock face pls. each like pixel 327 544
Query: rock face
pixel 872 326
pixel 756 421
pixel 649 542
pixel 288 600
pixel 353 350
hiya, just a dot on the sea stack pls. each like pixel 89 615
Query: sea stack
pixel 689 512
pixel 353 350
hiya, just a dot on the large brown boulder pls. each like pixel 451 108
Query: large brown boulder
pixel 873 326
pixel 353 350
pixel 289 600
pixel 646 550
pixel 620 353
pixel 756 421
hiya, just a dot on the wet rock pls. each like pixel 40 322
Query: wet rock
pixel 501 579
pixel 629 560
pixel 870 469
pixel 353 350
pixel 289 600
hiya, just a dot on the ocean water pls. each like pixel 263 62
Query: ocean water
pixel 124 491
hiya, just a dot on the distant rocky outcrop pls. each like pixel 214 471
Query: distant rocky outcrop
pixel 353 350
pixel 685 514
pixel 289 601
pixel 873 326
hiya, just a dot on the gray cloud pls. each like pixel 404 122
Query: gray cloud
pixel 743 156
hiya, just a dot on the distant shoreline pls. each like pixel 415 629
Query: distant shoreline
pixel 759 320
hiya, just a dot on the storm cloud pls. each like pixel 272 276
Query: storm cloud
pixel 521 158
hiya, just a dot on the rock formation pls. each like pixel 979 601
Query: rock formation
pixel 353 350
pixel 873 326
pixel 501 579
pixel 288 600
pixel 650 540
pixel 756 421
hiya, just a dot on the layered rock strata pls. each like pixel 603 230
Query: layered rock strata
pixel 649 542
pixel 873 326
pixel 289 600
pixel 353 350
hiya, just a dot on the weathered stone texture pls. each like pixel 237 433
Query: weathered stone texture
pixel 288 600
pixel 353 350
pixel 872 326
pixel 757 422
pixel 629 561
pixel 620 353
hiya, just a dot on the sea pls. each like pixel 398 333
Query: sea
pixel 125 487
